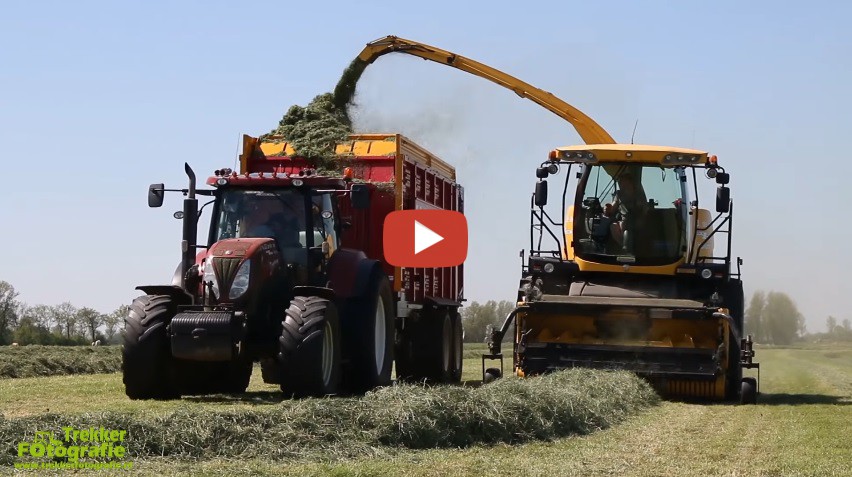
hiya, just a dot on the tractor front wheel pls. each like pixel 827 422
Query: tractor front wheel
pixel 309 353
pixel 146 358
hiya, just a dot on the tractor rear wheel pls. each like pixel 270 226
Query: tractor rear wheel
pixel 147 363
pixel 309 353
pixel 372 339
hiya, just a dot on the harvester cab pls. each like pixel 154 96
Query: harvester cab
pixel 628 273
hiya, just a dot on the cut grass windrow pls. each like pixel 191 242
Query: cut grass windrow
pixel 401 416
pixel 35 360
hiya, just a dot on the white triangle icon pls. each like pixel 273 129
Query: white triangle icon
pixel 424 237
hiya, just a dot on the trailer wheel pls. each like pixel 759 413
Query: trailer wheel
pixel 424 350
pixel 309 354
pixel 748 392
pixel 438 347
pixel 404 354
pixel 372 341
pixel 458 347
pixel 146 357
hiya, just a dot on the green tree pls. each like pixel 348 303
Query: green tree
pixel 754 316
pixel 9 310
pixel 89 321
pixel 113 323
pixel 845 330
pixel 783 323
pixel 831 324
pixel 477 317
pixel 30 331
pixel 64 316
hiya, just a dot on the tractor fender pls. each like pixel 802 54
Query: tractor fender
pixel 322 292
pixel 350 271
pixel 178 295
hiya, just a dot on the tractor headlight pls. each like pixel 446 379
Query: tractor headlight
pixel 548 268
pixel 210 277
pixel 706 273
pixel 241 281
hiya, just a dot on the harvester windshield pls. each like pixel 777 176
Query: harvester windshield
pixel 631 210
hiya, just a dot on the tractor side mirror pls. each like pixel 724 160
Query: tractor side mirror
pixel 541 172
pixel 723 199
pixel 156 193
pixel 360 196
pixel 723 178
pixel 541 193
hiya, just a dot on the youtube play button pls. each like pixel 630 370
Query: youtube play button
pixel 425 238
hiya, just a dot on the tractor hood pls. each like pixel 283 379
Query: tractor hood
pixel 238 267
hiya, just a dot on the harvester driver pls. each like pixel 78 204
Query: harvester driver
pixel 627 210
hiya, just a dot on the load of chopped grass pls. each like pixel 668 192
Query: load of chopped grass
pixel 511 410
pixel 36 360
pixel 314 130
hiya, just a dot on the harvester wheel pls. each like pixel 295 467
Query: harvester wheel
pixel 146 357
pixel 735 302
pixel 309 353
pixel 492 374
pixel 458 347
pixel 372 341
pixel 748 393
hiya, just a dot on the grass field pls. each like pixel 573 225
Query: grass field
pixel 801 426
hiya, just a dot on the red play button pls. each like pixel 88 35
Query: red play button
pixel 425 238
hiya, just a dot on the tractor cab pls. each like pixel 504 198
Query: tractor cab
pixel 300 215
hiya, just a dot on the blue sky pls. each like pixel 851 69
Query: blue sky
pixel 99 99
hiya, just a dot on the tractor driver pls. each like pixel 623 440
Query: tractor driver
pixel 628 208
pixel 267 218
pixel 257 221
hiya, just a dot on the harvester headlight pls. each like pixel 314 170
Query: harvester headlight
pixel 210 277
pixel 548 268
pixel 706 273
pixel 241 281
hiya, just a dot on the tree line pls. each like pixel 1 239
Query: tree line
pixel 771 318
pixel 62 324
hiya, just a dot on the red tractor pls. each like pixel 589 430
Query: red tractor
pixel 292 276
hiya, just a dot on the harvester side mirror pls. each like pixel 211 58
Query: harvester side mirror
pixel 723 178
pixel 360 196
pixel 541 193
pixel 541 173
pixel 723 199
pixel 156 192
